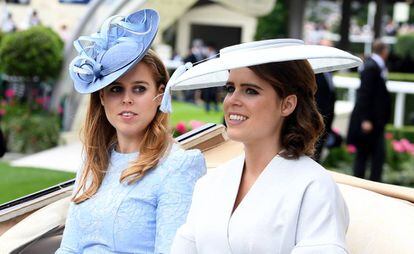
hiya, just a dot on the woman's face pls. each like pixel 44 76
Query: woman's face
pixel 129 102
pixel 252 109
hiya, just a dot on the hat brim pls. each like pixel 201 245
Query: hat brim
pixel 104 81
pixel 214 72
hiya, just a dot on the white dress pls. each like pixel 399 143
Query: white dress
pixel 293 207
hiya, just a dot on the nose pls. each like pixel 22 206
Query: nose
pixel 127 99
pixel 232 99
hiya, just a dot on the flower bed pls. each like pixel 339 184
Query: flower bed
pixel 399 161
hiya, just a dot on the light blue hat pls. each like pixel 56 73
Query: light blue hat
pixel 108 54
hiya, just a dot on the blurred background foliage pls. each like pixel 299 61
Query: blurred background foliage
pixel 273 25
pixel 33 53
pixel 30 62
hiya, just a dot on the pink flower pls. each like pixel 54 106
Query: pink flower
pixel 389 136
pixel 9 93
pixel 407 145
pixel 60 109
pixel 350 148
pixel 336 130
pixel 181 128
pixel 2 112
pixel 397 146
pixel 40 100
pixel 194 124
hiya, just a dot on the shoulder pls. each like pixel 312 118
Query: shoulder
pixel 370 65
pixel 319 184
pixel 310 174
pixel 181 157
pixel 180 161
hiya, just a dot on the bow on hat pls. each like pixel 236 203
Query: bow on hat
pixel 166 105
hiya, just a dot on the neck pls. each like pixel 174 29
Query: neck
pixel 128 145
pixel 259 154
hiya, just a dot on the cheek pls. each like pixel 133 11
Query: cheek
pixel 147 101
pixel 147 106
pixel 225 103
pixel 269 114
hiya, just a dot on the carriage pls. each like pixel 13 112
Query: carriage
pixel 381 215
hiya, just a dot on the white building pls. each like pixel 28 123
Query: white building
pixel 223 22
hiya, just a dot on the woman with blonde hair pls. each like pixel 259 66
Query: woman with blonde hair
pixel 273 198
pixel 135 187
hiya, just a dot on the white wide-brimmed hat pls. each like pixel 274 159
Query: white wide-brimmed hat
pixel 214 72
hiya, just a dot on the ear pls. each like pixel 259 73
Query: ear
pixel 101 96
pixel 289 104
pixel 161 88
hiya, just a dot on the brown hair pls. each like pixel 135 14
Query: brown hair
pixel 302 128
pixel 99 136
pixel 378 46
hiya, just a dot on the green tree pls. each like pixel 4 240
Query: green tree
pixel 273 25
pixel 33 53
pixel 33 58
pixel 411 17
pixel 404 46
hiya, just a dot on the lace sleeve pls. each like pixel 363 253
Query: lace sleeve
pixel 174 198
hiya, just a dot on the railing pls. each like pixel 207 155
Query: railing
pixel 398 87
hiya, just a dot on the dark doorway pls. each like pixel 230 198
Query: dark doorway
pixel 220 36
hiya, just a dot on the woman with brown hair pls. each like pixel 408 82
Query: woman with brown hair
pixel 135 187
pixel 274 198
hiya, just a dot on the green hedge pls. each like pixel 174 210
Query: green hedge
pixel 404 46
pixel 400 133
pixel 29 131
pixel 36 52
pixel 396 76
pixel 398 168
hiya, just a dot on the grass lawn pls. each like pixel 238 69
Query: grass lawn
pixel 186 112
pixel 16 182
pixel 409 77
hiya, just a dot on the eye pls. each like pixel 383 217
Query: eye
pixel 115 89
pixel 139 89
pixel 251 91
pixel 229 89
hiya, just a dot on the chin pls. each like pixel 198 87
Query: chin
pixel 130 132
pixel 236 135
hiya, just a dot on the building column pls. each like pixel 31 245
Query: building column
pixel 345 24
pixel 296 16
pixel 378 18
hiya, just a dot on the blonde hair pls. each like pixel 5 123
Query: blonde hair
pixel 99 136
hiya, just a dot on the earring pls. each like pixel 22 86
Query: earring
pixel 161 94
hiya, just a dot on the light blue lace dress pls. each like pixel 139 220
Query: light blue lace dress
pixel 138 218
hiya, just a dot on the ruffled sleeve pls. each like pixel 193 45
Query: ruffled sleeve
pixel 323 219
pixel 175 196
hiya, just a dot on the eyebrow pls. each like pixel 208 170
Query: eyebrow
pixel 245 84
pixel 134 83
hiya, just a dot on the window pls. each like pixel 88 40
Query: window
pixel 75 1
pixel 18 1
